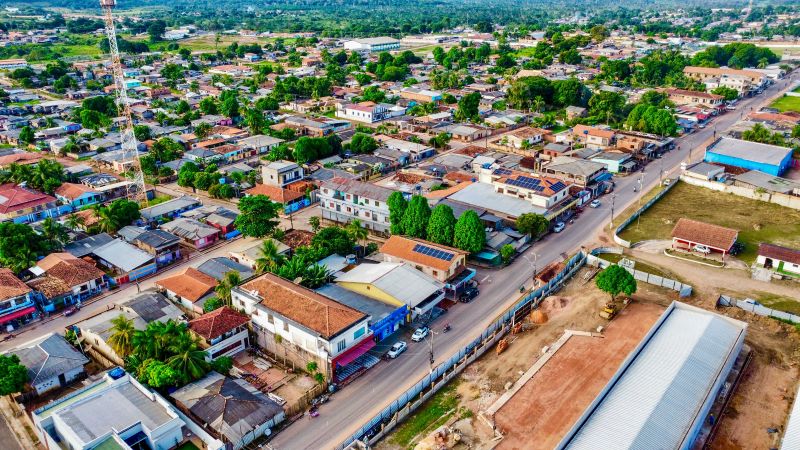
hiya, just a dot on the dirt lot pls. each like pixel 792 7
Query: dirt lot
pixel 539 415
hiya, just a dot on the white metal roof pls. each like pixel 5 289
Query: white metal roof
pixel 654 399
pixel 791 436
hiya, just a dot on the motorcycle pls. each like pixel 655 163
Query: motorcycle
pixel 313 412
pixel 446 328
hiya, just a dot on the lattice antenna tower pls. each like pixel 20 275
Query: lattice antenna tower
pixel 130 152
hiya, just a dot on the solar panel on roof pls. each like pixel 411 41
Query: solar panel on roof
pixel 434 252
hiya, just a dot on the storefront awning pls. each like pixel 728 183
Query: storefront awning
pixel 17 314
pixel 354 352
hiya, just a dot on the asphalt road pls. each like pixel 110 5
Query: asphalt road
pixel 365 397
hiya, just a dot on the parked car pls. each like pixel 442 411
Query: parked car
pixel 702 249
pixel 71 310
pixel 420 333
pixel 595 204
pixel 559 227
pixel 469 293
pixel 397 349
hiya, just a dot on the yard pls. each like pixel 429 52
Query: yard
pixel 756 221
pixel 787 103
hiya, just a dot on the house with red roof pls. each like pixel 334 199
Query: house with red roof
pixel 781 260
pixel 78 195
pixel 692 235
pixel 23 205
pixel 222 332
pixel 64 279
pixel 17 305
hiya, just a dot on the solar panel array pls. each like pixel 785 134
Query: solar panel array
pixel 435 252
pixel 558 186
pixel 502 171
pixel 534 184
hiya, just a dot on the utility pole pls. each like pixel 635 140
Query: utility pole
pixel 533 266
pixel 430 352
pixel 639 217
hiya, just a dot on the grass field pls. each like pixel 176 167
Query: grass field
pixel 756 221
pixel 644 267
pixel 434 412
pixel 787 103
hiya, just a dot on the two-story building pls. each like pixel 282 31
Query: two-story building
pixel 78 195
pixel 686 97
pixel 22 205
pixel 163 246
pixel 541 191
pixel 193 233
pixel 745 81
pixel 366 112
pixel 222 332
pixel 592 137
pixel 259 143
pixel 64 279
pixel 343 200
pixel 17 305
pixel 300 325
pixel 589 175
pixel 281 173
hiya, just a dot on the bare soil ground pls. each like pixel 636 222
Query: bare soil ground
pixel 539 415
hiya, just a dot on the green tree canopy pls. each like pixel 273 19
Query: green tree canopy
pixel 334 240
pixel 469 234
pixel 397 208
pixel 13 375
pixel 257 216
pixel 532 224
pixel 442 225
pixel 614 280
pixel 20 246
pixel 415 219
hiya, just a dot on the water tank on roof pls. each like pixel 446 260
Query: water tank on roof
pixel 116 373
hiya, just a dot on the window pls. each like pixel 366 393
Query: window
pixel 435 273
pixel 359 332
pixel 270 319
pixel 285 326
pixel 341 345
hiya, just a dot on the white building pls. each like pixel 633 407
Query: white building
pixel 300 325
pixel 51 362
pixel 369 45
pixel 540 191
pixel 343 200
pixel 116 412
pixel 281 173
pixel 779 259
pixel 366 112
pixel 223 332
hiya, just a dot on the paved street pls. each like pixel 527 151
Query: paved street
pixel 372 392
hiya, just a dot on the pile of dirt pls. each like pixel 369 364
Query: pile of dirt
pixel 539 317
pixel 554 304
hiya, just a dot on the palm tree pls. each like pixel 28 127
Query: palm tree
pixel 54 233
pixel 74 221
pixel 356 231
pixel 315 276
pixel 122 336
pixel 537 103
pixel 188 359
pixel 228 282
pixel 106 220
pixel 270 257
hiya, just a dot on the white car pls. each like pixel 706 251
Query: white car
pixel 595 204
pixel 420 333
pixel 702 249
pixel 559 227
pixel 397 348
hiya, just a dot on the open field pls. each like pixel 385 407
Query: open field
pixel 547 406
pixel 207 42
pixel 756 221
pixel 787 103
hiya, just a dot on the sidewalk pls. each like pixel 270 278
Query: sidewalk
pixel 15 427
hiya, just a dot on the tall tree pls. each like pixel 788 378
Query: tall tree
pixel 188 359
pixel 397 208
pixel 532 224
pixel 415 219
pixel 228 282
pixel 469 234
pixel 13 375
pixel 356 231
pixel 442 225
pixel 257 216
pixel 269 257
pixel 121 338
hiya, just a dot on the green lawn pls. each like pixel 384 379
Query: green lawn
pixel 787 103
pixel 525 52
pixel 431 414
pixel 773 301
pixel 644 267
pixel 187 446
pixel 756 221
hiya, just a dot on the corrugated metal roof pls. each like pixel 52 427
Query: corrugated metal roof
pixel 655 397
pixel 791 437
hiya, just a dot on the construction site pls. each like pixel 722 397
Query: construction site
pixel 531 394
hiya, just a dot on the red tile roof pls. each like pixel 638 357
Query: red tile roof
pixel 713 236
pixel 403 248
pixel 72 191
pixel 15 198
pixel 275 193
pixel 304 306
pixel 218 322
pixel 578 130
pixel 191 284
pixel 20 158
pixel 789 255
pixel 10 285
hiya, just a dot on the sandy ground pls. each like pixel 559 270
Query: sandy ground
pixel 539 415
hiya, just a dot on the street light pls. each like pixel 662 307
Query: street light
pixel 533 264
pixel 639 202
pixel 611 224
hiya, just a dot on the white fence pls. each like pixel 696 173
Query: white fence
pixel 756 308
pixel 788 201
pixel 684 290
pixel 638 213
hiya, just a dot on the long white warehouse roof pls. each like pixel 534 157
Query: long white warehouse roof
pixel 664 388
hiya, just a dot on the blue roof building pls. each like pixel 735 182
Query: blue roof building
pixel 771 159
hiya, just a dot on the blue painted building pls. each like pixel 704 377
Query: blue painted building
pixel 78 195
pixel 771 159
pixel 385 319
pixel 17 306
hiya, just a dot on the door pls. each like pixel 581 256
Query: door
pixel 768 263
pixel 62 380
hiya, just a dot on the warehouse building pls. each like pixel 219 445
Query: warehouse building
pixel 771 159
pixel 662 394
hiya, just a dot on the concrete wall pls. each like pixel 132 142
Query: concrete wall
pixel 788 201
